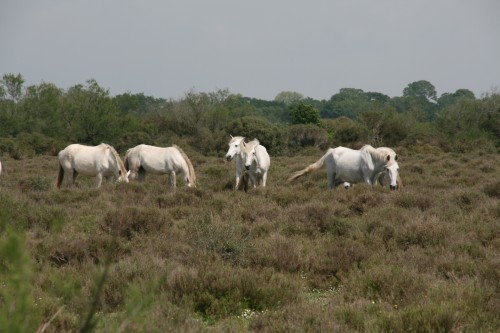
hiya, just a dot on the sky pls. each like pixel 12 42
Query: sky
pixel 257 48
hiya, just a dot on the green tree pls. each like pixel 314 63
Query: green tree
pixel 302 113
pixel 448 99
pixel 42 105
pixel 421 88
pixel 91 116
pixel 347 102
pixel 465 126
pixel 11 94
pixel 289 97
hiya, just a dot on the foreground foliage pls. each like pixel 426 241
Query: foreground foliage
pixel 139 257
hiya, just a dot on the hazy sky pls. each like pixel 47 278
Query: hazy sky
pixel 257 48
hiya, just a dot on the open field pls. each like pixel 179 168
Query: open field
pixel 140 257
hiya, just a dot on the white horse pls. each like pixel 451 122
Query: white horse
pixel 94 161
pixel 257 162
pixel 353 166
pixel 160 160
pixel 235 151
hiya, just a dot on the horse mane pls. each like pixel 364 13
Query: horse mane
pixel 252 144
pixel 379 153
pixel 192 175
pixel 117 158
pixel 234 138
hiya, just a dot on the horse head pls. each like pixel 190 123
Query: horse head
pixel 249 154
pixel 393 173
pixel 235 147
pixel 123 176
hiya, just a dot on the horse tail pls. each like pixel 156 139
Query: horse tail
pixel 192 174
pixel 60 176
pixel 313 167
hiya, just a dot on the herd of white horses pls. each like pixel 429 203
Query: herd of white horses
pixel 343 165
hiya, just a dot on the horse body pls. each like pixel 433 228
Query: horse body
pixel 93 161
pixel 160 160
pixel 257 162
pixel 345 165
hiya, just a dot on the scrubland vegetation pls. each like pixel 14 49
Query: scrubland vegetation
pixel 282 258
pixel 140 257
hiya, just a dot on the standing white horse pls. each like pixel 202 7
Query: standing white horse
pixel 235 151
pixel 354 166
pixel 257 162
pixel 160 160
pixel 94 161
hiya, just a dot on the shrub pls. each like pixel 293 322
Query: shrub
pixel 492 189
pixel 344 131
pixel 216 291
pixel 307 135
pixel 271 136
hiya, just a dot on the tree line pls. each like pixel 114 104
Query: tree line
pixel 43 118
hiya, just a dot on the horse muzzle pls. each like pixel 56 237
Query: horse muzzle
pixel 247 167
pixel 393 187
pixel 229 158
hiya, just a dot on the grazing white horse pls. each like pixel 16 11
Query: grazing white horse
pixel 354 166
pixel 257 162
pixel 94 161
pixel 160 160
pixel 235 152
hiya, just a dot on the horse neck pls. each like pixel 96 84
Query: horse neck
pixel 379 157
pixel 190 169
pixel 256 159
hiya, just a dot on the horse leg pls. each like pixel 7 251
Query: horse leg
pixel 254 179
pixel 264 179
pixel 73 177
pixel 172 179
pixel 141 173
pixel 98 180
pixel 330 176
pixel 238 180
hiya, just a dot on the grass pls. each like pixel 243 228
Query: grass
pixel 140 257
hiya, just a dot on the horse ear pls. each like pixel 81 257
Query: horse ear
pixel 128 173
pixel 231 136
